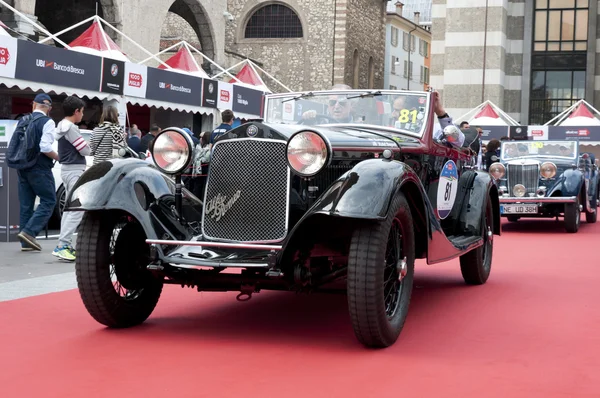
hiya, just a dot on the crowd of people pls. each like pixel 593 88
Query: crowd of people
pixel 31 152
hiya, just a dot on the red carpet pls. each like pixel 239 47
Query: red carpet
pixel 532 331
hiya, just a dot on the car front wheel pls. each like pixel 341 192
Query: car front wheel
pixel 114 283
pixel 592 216
pixel 476 265
pixel 572 216
pixel 380 276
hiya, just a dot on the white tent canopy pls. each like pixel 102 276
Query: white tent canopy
pixel 488 114
pixel 580 113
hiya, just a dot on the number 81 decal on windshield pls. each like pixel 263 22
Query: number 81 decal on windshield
pixel 447 185
pixel 407 116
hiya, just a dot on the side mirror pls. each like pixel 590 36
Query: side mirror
pixel 142 155
pixel 122 152
pixel 453 136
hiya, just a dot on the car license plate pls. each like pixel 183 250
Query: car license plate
pixel 519 209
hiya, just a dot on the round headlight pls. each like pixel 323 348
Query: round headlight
pixel 172 150
pixel 548 170
pixel 497 170
pixel 519 190
pixel 308 153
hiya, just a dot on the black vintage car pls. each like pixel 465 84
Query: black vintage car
pixel 547 179
pixel 333 191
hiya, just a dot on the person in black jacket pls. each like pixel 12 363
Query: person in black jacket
pixel 492 155
pixel 148 138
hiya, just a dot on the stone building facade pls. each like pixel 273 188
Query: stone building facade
pixel 539 56
pixel 336 45
pixel 341 41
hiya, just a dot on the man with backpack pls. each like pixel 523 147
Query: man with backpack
pixel 30 152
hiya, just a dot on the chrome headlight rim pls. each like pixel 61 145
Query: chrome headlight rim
pixel 326 162
pixel 495 165
pixel 189 145
pixel 519 188
pixel 548 164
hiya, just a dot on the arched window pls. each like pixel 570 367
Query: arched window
pixel 371 73
pixel 275 21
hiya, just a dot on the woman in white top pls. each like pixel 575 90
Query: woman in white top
pixel 108 137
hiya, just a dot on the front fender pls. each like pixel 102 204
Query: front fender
pixel 364 194
pixel 365 191
pixel 568 184
pixel 110 185
pixel 132 186
pixel 483 187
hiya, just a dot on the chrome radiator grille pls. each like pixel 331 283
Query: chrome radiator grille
pixel 247 191
pixel 527 175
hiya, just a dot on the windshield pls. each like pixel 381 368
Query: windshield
pixel 405 111
pixel 517 149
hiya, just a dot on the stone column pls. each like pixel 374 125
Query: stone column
pixel 460 44
pixel 339 55
pixel 16 22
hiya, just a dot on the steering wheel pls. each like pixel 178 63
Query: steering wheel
pixel 323 119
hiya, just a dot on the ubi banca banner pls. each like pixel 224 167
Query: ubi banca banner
pixel 51 65
pixel 174 87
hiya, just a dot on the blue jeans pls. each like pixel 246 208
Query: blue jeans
pixel 36 182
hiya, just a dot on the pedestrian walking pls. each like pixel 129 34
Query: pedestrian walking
pixel 30 152
pixel 108 136
pixel 72 150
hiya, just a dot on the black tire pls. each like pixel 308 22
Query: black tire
pixel 572 216
pixel 592 217
pixel 61 197
pixel 513 218
pixel 476 265
pixel 94 266
pixel 377 323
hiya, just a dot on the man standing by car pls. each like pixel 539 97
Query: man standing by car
pixel 148 138
pixel 31 153
pixel 227 118
pixel 72 150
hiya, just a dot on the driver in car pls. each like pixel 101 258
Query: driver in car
pixel 564 151
pixel 339 108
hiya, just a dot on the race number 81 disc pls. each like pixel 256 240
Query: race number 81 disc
pixel 446 194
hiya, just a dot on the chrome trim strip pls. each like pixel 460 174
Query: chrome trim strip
pixel 367 149
pixel 199 264
pixel 566 199
pixel 213 244
pixel 287 216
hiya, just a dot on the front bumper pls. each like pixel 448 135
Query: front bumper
pixel 196 254
pixel 515 200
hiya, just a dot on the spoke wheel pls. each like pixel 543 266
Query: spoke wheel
pixel 114 284
pixel 380 276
